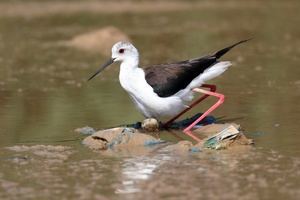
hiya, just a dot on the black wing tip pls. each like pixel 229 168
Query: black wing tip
pixel 221 52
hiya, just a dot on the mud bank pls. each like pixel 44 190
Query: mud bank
pixel 98 41
pixel 214 137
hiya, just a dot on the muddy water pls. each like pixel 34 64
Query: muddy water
pixel 44 97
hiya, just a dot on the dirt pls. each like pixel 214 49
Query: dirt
pixel 97 41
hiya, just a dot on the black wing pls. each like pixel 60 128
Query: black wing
pixel 168 79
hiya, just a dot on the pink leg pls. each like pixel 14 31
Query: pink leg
pixel 212 108
pixel 212 89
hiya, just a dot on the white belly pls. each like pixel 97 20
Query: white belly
pixel 148 102
pixel 132 79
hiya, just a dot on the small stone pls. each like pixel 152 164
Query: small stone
pixel 150 125
pixel 85 130
pixel 96 143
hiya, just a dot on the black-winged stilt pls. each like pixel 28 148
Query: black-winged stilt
pixel 166 89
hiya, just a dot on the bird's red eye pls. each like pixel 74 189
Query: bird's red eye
pixel 121 50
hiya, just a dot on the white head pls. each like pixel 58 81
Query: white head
pixel 121 51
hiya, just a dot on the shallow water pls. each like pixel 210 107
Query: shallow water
pixel 44 97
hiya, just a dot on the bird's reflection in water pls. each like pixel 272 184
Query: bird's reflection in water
pixel 138 169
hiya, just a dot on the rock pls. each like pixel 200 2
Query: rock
pixel 96 41
pixel 215 136
pixel 96 143
pixel 85 130
pixel 150 125
pixel 119 137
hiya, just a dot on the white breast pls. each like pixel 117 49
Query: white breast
pixel 142 94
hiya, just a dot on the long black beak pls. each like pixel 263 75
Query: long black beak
pixel 109 62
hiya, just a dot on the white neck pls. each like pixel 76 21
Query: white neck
pixel 129 63
pixel 128 70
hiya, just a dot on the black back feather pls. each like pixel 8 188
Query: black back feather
pixel 168 79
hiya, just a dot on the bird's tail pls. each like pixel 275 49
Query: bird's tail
pixel 221 52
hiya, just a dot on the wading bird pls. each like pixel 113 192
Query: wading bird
pixel 166 89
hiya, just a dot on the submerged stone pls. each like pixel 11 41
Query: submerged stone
pixel 85 130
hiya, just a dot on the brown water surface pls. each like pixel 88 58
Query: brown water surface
pixel 44 96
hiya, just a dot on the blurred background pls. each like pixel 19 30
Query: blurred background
pixel 43 88
pixel 48 49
